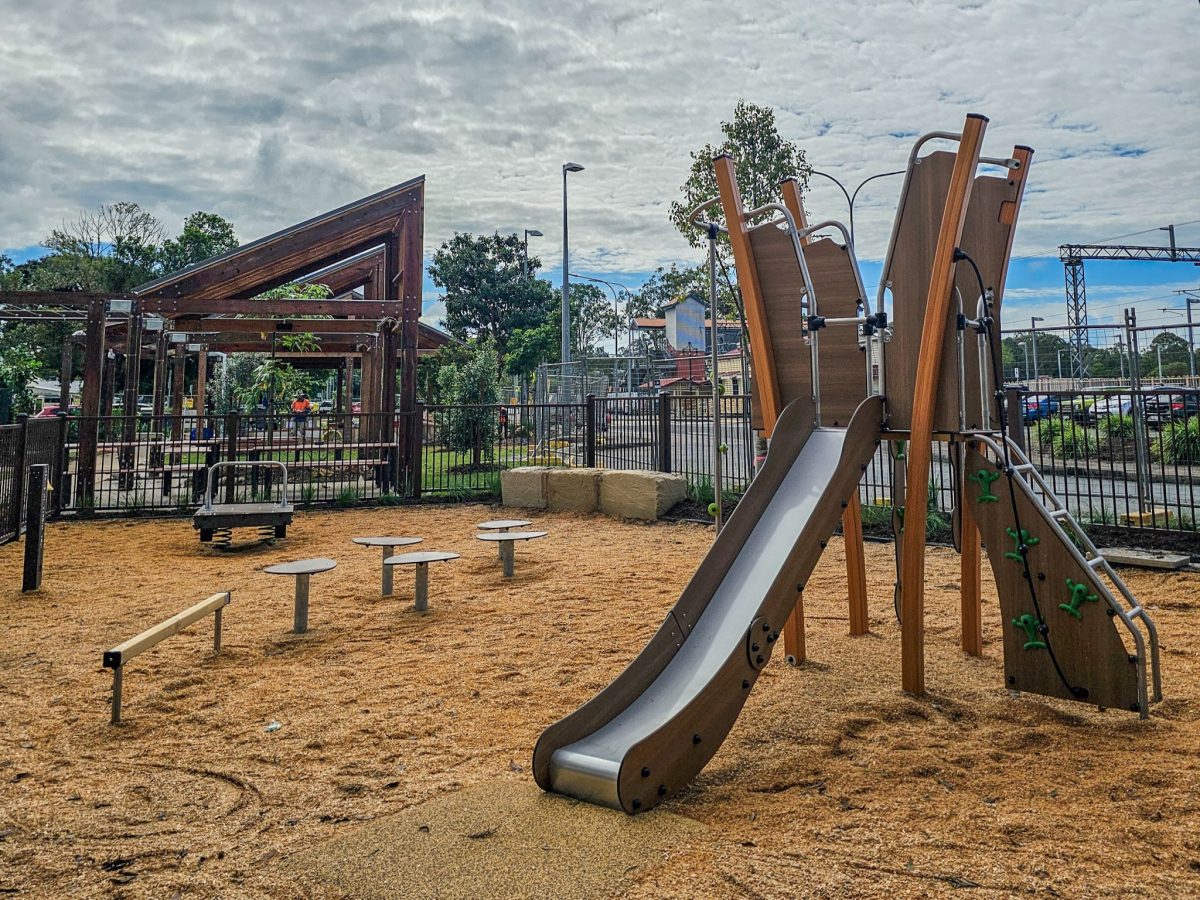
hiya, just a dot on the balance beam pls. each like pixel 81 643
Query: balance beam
pixel 116 658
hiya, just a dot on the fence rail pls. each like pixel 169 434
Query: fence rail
pixel 1119 458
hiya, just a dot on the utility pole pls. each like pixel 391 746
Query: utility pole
pixel 1033 320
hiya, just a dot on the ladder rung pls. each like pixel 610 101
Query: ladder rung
pixel 1059 513
pixel 1136 611
pixel 1023 467
pixel 1096 561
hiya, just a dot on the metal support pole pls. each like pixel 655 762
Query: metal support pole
pixel 386 572
pixel 718 498
pixel 664 431
pixel 589 435
pixel 118 674
pixel 217 620
pixel 300 617
pixel 507 557
pixel 421 602
pixel 35 527
pixel 1140 438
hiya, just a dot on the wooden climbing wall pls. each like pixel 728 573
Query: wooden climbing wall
pixel 1081 634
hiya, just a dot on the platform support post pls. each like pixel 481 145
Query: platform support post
pixel 300 618
pixel 793 633
pixel 118 677
pixel 507 557
pixel 856 565
pixel 386 573
pixel 970 580
pixel 421 601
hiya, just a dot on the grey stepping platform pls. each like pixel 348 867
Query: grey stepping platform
pixel 503 525
pixel 302 569
pixel 389 545
pixel 506 540
pixel 420 561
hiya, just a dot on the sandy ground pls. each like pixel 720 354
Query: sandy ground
pixel 833 783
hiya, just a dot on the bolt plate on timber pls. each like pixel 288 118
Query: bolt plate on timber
pixel 759 639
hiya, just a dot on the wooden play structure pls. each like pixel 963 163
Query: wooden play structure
pixel 118 656
pixel 834 377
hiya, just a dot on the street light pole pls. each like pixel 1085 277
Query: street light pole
pixel 1059 353
pixel 566 277
pixel 529 232
pixel 1033 320
pixel 616 312
pixel 850 198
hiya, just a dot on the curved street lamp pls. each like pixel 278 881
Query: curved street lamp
pixel 566 278
pixel 529 232
pixel 850 198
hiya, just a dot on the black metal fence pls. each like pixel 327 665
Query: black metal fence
pixel 1118 458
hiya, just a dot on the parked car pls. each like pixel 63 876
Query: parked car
pixel 50 410
pixel 1037 408
pixel 1170 407
pixel 325 406
pixel 1108 405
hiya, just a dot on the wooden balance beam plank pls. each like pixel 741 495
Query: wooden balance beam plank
pixel 116 658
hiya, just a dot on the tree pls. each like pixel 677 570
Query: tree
pixel 485 291
pixel 762 158
pixel 114 248
pixel 475 390
pixel 593 318
pixel 530 347
pixel 204 235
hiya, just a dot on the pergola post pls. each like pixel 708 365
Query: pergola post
pixel 89 425
pixel 159 389
pixel 66 370
pixel 201 387
pixel 409 251
pixel 133 368
pixel 177 384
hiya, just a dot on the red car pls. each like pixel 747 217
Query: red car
pixel 50 410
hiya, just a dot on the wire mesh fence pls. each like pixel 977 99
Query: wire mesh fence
pixel 1119 457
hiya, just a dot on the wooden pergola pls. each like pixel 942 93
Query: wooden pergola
pixel 373 245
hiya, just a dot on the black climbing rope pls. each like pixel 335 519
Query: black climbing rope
pixel 1021 539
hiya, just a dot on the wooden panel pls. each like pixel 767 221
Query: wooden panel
pixel 1089 648
pixel 908 273
pixel 766 389
pixel 928 373
pixel 842 363
pixel 782 289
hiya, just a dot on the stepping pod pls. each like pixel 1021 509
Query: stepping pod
pixel 1079 595
pixel 1032 627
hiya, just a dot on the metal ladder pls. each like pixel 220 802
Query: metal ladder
pixel 1126 608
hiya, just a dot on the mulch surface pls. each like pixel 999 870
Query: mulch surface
pixel 833 782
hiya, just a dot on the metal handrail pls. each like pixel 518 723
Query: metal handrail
pixel 209 481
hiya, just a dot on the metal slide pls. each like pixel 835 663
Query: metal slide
pixel 657 725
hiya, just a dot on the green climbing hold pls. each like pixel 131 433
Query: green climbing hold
pixel 984 478
pixel 712 509
pixel 900 519
pixel 1031 627
pixel 1019 541
pixel 722 448
pixel 900 447
pixel 1079 595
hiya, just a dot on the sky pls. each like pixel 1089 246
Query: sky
pixel 269 113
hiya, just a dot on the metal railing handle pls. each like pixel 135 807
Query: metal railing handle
pixel 230 463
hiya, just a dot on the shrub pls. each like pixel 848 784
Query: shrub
pixel 1118 426
pixel 1179 442
pixel 1072 440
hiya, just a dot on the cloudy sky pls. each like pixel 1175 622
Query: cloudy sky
pixel 268 113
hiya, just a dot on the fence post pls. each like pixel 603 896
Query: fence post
pixel 664 431
pixel 18 483
pixel 35 528
pixel 416 445
pixel 1016 416
pixel 232 424
pixel 589 432
pixel 62 498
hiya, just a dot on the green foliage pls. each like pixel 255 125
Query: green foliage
pixel 204 235
pixel 1072 440
pixel 346 497
pixel 487 292
pixel 593 319
pixel 529 347
pixel 762 159
pixel 18 366
pixel 474 388
pixel 1179 442
pixel 1118 426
